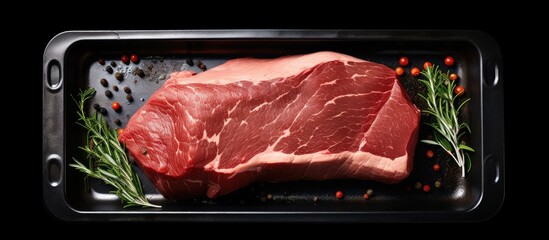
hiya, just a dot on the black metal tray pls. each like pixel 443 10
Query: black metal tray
pixel 70 63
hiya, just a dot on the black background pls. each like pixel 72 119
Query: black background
pixel 523 68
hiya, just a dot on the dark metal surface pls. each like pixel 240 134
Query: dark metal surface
pixel 70 63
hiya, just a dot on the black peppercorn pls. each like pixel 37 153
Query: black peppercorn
pixel 103 111
pixel 108 93
pixel 127 90
pixel 119 76
pixel 104 82
pixel 101 61
pixel 190 62
pixel 129 98
pixel 96 106
pixel 115 88
pixel 109 69
pixel 113 64
pixel 117 122
pixel 201 65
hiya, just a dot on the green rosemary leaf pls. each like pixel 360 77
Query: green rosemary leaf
pixel 465 126
pixel 444 143
pixel 465 147
pixel 430 142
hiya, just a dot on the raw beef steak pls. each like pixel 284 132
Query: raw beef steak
pixel 317 116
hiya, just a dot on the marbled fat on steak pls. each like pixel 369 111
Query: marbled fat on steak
pixel 318 116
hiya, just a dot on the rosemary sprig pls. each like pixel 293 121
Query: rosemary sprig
pixel 111 162
pixel 441 104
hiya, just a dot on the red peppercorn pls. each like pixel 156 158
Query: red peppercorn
pixel 134 58
pixel 459 90
pixel 427 64
pixel 449 61
pixel 120 131
pixel 426 188
pixel 453 76
pixel 415 72
pixel 125 59
pixel 436 167
pixel 399 71
pixel 366 196
pixel 115 106
pixel 403 61
pixel 429 153
pixel 339 194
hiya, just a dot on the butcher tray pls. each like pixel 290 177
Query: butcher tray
pixel 71 63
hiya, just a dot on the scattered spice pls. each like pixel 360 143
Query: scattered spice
pixel 104 82
pixel 116 106
pixel 109 69
pixel 101 61
pixel 453 77
pixel 96 106
pixel 144 151
pixel 403 61
pixel 315 199
pixel 120 131
pixel 427 65
pixel 438 184
pixel 129 98
pixel 108 93
pixel 418 185
pixel 449 61
pixel 127 90
pixel 339 194
pixel 119 76
pixel 103 111
pixel 134 58
pixel 115 88
pixel 142 99
pixel 366 196
pixel 415 71
pixel 117 122
pixel 459 90
pixel 399 71
pixel 426 188
pixel 370 192
pixel 430 153
pixel 201 65
pixel 269 196
pixel 189 62
pixel 113 64
pixel 125 59
pixel 436 167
